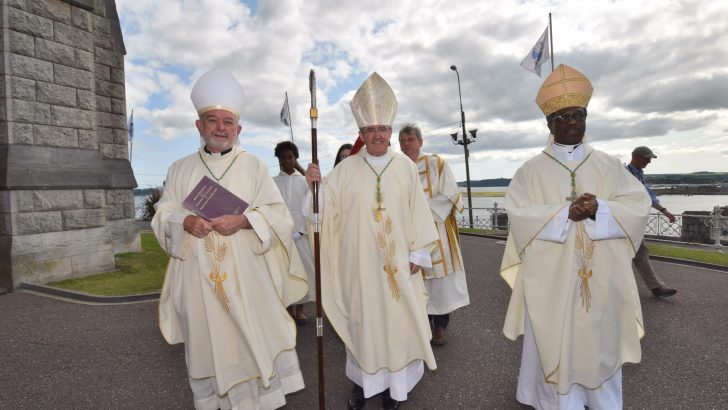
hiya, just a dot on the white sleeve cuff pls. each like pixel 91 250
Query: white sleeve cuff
pixel 604 226
pixel 558 229
pixel 260 227
pixel 175 235
pixel 421 257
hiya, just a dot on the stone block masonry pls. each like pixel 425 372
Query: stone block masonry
pixel 66 202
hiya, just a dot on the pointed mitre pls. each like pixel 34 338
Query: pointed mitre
pixel 374 103
pixel 217 89
pixel 564 87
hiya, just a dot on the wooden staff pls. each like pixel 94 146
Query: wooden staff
pixel 317 244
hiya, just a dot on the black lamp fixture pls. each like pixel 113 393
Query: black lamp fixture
pixel 465 141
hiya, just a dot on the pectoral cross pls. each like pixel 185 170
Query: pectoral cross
pixel 572 198
pixel 378 212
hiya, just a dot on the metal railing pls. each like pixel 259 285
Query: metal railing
pixel 706 227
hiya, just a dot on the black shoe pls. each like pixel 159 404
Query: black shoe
pixel 664 291
pixel 356 398
pixel 388 403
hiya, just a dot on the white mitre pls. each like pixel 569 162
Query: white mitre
pixel 217 89
pixel 374 103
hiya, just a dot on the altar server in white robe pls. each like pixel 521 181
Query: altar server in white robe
pixel 376 233
pixel 577 217
pixel 229 279
pixel 293 187
pixel 445 280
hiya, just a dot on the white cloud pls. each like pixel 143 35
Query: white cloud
pixel 658 70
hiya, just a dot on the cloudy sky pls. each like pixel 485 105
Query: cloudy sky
pixel 659 70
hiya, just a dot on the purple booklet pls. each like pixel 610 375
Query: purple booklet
pixel 210 200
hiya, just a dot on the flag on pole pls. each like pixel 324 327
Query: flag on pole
pixel 130 129
pixel 538 55
pixel 285 114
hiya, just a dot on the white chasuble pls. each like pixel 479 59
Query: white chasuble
pixel 581 337
pixel 445 280
pixel 373 302
pixel 225 297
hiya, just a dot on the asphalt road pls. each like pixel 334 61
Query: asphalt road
pixel 62 355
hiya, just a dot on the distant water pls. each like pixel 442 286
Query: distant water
pixel 676 204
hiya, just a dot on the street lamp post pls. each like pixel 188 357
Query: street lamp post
pixel 465 141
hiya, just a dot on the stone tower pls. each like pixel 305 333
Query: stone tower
pixel 66 201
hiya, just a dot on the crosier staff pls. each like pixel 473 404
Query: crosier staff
pixel 317 244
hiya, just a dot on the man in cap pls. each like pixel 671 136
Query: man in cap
pixel 577 217
pixel 229 279
pixel 641 156
pixel 376 233
pixel 445 280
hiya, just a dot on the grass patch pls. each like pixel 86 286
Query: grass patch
pixel 143 272
pixel 484 194
pixel 698 255
pixel 136 273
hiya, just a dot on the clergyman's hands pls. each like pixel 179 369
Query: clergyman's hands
pixel 313 174
pixel 196 226
pixel 229 224
pixel 584 207
pixel 414 268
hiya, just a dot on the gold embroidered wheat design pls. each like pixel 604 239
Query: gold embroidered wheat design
pixel 216 251
pixel 390 250
pixel 585 253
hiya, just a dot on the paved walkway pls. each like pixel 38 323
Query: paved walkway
pixel 61 355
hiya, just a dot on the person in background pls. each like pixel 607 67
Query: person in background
pixel 293 188
pixel 343 152
pixel 445 280
pixel 641 157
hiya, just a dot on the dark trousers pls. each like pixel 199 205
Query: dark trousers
pixel 439 320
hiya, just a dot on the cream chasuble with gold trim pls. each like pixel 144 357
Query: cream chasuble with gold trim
pixel 225 297
pixel 373 302
pixel 575 345
pixel 445 281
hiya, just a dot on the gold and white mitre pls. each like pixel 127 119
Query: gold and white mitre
pixel 374 103
pixel 564 87
pixel 217 89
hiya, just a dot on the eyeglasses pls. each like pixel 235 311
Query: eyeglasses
pixel 371 130
pixel 578 116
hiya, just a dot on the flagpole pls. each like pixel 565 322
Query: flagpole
pixel 317 243
pixel 551 43
pixel 290 124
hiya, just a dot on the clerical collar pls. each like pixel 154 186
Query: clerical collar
pixel 207 151
pixel 377 161
pixel 567 148
pixel 568 152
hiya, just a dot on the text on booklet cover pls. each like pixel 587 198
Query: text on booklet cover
pixel 210 200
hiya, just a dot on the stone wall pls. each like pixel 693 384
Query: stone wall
pixel 66 202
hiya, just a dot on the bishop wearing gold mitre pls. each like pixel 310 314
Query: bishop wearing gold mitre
pixel 577 217
pixel 376 233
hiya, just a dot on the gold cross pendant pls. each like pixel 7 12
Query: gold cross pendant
pixel 378 213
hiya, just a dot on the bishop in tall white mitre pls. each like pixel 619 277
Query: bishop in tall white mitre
pixel 376 233
pixel 229 279
pixel 576 219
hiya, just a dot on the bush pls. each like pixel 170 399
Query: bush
pixel 148 204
